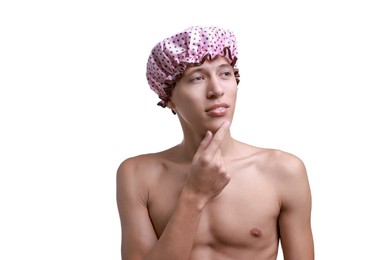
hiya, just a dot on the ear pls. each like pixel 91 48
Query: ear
pixel 170 104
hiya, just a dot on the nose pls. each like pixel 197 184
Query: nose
pixel 215 89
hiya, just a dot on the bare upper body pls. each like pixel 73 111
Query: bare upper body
pixel 212 197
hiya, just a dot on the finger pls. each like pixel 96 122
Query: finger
pixel 203 144
pixel 218 137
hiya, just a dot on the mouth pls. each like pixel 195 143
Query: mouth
pixel 220 106
pixel 217 110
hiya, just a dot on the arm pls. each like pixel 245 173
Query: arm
pixel 294 220
pixel 207 178
pixel 139 240
pixel 138 235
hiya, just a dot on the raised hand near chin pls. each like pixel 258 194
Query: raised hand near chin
pixel 208 175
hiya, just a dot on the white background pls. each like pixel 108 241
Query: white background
pixel 74 103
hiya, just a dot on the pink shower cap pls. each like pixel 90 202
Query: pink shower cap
pixel 170 57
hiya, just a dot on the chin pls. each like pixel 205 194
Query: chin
pixel 214 125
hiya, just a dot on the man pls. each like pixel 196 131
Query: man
pixel 211 196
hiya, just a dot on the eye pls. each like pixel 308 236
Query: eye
pixel 197 78
pixel 227 74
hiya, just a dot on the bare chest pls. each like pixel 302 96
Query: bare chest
pixel 243 215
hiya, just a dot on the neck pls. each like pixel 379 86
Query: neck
pixel 192 139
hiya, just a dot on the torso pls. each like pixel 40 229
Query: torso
pixel 240 223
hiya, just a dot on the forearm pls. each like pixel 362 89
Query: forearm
pixel 178 237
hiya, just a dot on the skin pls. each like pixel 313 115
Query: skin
pixel 211 196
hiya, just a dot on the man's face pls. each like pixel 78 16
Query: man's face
pixel 206 95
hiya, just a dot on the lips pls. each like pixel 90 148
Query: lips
pixel 217 106
pixel 217 110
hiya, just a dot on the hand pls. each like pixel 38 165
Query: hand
pixel 208 175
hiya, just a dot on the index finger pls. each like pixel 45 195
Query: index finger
pixel 218 137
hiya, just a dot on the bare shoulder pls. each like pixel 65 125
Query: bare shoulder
pixel 283 168
pixel 285 163
pixel 147 160
pixel 136 163
pixel 288 174
pixel 280 163
pixel 141 170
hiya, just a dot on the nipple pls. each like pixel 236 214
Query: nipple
pixel 255 232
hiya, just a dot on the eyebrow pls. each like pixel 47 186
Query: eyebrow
pixel 225 65
pixel 198 68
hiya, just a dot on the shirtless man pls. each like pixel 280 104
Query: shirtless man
pixel 210 197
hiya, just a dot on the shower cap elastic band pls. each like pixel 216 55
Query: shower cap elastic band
pixel 170 57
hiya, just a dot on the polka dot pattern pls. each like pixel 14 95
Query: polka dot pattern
pixel 170 57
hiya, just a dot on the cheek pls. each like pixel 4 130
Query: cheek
pixel 231 92
pixel 189 108
pixel 182 98
pixel 186 105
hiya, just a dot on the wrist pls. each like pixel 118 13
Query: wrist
pixel 190 198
